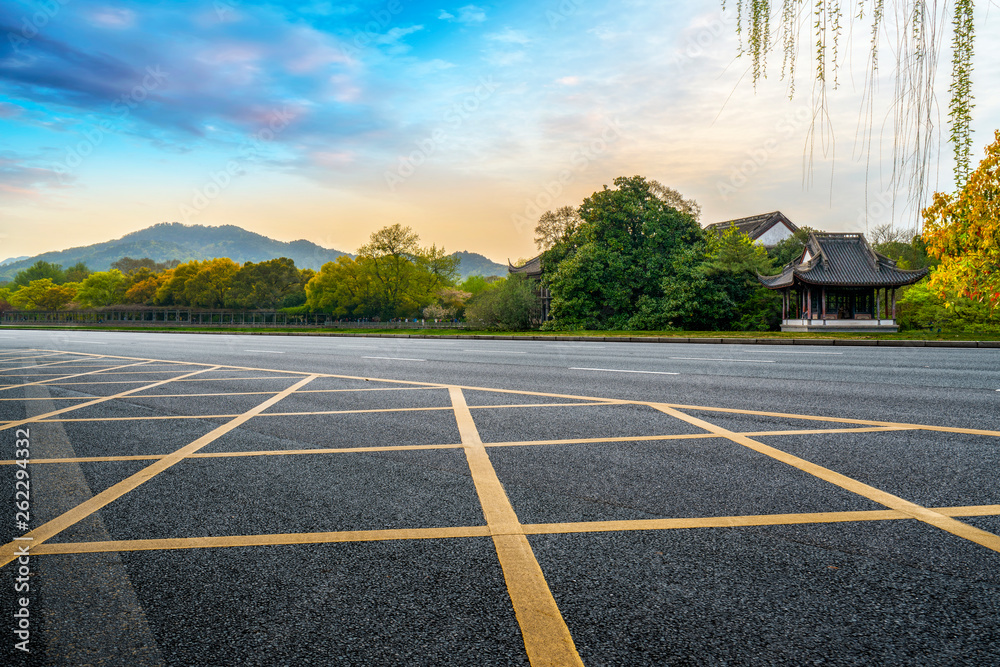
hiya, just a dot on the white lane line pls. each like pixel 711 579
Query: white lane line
pixel 796 352
pixel 394 358
pixel 619 370
pixel 749 361
pixel 267 351
pixel 494 352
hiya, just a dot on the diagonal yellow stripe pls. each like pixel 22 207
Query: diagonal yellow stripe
pixel 85 509
pixel 936 519
pixel 102 399
pixel 66 377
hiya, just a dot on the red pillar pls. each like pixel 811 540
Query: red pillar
pixel 809 303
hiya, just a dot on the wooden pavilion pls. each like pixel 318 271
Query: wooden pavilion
pixel 840 284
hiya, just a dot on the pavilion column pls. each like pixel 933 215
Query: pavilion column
pixel 809 302
pixel 894 303
pixel 784 304
pixel 822 303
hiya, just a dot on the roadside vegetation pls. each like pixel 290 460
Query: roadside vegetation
pixel 630 258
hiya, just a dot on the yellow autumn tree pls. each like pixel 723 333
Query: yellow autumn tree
pixel 963 231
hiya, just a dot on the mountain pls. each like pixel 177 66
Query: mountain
pixel 173 240
pixel 474 264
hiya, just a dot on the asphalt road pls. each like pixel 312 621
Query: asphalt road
pixel 787 556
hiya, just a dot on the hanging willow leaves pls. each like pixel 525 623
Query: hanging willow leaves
pixel 916 29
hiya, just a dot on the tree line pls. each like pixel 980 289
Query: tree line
pixel 392 277
pixel 629 257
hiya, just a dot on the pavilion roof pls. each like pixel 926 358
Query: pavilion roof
pixel 532 268
pixel 842 260
pixel 753 226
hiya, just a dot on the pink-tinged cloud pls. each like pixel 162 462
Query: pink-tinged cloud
pixel 113 17
pixel 333 159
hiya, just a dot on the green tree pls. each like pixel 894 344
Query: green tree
pixel 173 286
pixel 104 288
pixel 209 287
pixel 272 284
pixel 618 256
pixel 511 304
pixel 43 294
pixel 554 226
pixel 344 288
pixel 40 270
pixel 77 273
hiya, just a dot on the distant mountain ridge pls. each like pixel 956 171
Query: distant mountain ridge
pixel 173 240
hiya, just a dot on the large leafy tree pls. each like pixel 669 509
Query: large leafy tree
pixel 209 287
pixel 619 254
pixel 40 270
pixel 104 288
pixel 43 294
pixel 271 284
pixel 963 231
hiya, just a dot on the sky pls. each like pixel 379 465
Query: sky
pixel 329 120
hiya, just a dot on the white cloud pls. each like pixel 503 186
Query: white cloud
pixel 509 36
pixel 445 16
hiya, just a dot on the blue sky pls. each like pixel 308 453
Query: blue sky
pixel 329 120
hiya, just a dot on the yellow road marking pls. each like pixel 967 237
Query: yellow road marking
pixel 262 540
pixel 841 420
pixel 749 520
pixel 85 509
pixel 4 371
pixel 221 541
pixel 393 448
pixel 95 401
pixel 936 519
pixel 36 356
pixel 66 377
pixel 303 413
pixel 69 384
pixel 547 639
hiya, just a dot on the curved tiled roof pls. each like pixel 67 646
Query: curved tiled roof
pixel 755 225
pixel 843 260
pixel 532 268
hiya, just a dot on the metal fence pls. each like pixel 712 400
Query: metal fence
pixel 186 317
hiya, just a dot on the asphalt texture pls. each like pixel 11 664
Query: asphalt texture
pixel 848 586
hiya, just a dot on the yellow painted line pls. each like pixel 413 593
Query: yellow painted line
pixel 547 639
pixel 263 452
pixel 66 377
pixel 540 405
pixel 143 372
pixel 586 441
pixel 841 420
pixel 820 431
pixel 95 401
pixel 970 510
pixel 261 540
pixel 85 509
pixel 4 371
pixel 69 384
pixel 36 356
pixel 936 519
pixel 210 542
pixel 711 522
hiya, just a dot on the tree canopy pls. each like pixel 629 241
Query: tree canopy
pixel 963 231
